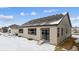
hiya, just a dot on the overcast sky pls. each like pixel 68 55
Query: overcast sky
pixel 20 15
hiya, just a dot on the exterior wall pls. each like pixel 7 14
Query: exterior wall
pixel 53 35
pixel 4 30
pixel 65 25
pixel 13 31
pixel 1 30
pixel 52 38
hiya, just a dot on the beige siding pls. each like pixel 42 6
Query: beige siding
pixel 65 25
pixel 52 38
pixel 13 31
pixel 53 35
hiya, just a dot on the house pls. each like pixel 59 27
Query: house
pixel 0 29
pixel 53 29
pixel 4 29
pixel 13 29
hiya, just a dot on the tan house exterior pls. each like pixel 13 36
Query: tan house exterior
pixel 66 25
pixel 4 29
pixel 38 35
pixel 54 29
pixel 13 29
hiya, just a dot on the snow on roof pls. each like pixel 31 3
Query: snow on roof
pixel 54 19
pixel 9 28
pixel 56 22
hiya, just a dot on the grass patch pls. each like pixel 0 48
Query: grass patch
pixel 66 44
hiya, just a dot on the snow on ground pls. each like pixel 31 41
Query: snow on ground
pixel 77 38
pixel 13 43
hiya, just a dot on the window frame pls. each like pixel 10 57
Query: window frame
pixel 61 31
pixel 66 31
pixel 20 30
pixel 9 31
pixel 58 32
pixel 32 31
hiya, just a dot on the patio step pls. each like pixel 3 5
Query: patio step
pixel 41 42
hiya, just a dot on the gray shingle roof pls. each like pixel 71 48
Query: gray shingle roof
pixel 44 20
pixel 14 26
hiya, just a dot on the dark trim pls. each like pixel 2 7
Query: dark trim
pixel 21 30
pixel 69 19
pixel 41 29
pixel 32 31
pixel 39 25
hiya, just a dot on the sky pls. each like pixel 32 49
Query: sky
pixel 21 15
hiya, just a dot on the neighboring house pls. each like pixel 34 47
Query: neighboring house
pixel 4 29
pixel 0 29
pixel 13 29
pixel 53 29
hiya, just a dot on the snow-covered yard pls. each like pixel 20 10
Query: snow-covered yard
pixel 22 44
pixel 77 38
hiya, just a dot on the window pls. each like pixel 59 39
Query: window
pixel 20 30
pixel 9 31
pixel 66 30
pixel 32 31
pixel 58 32
pixel 61 31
